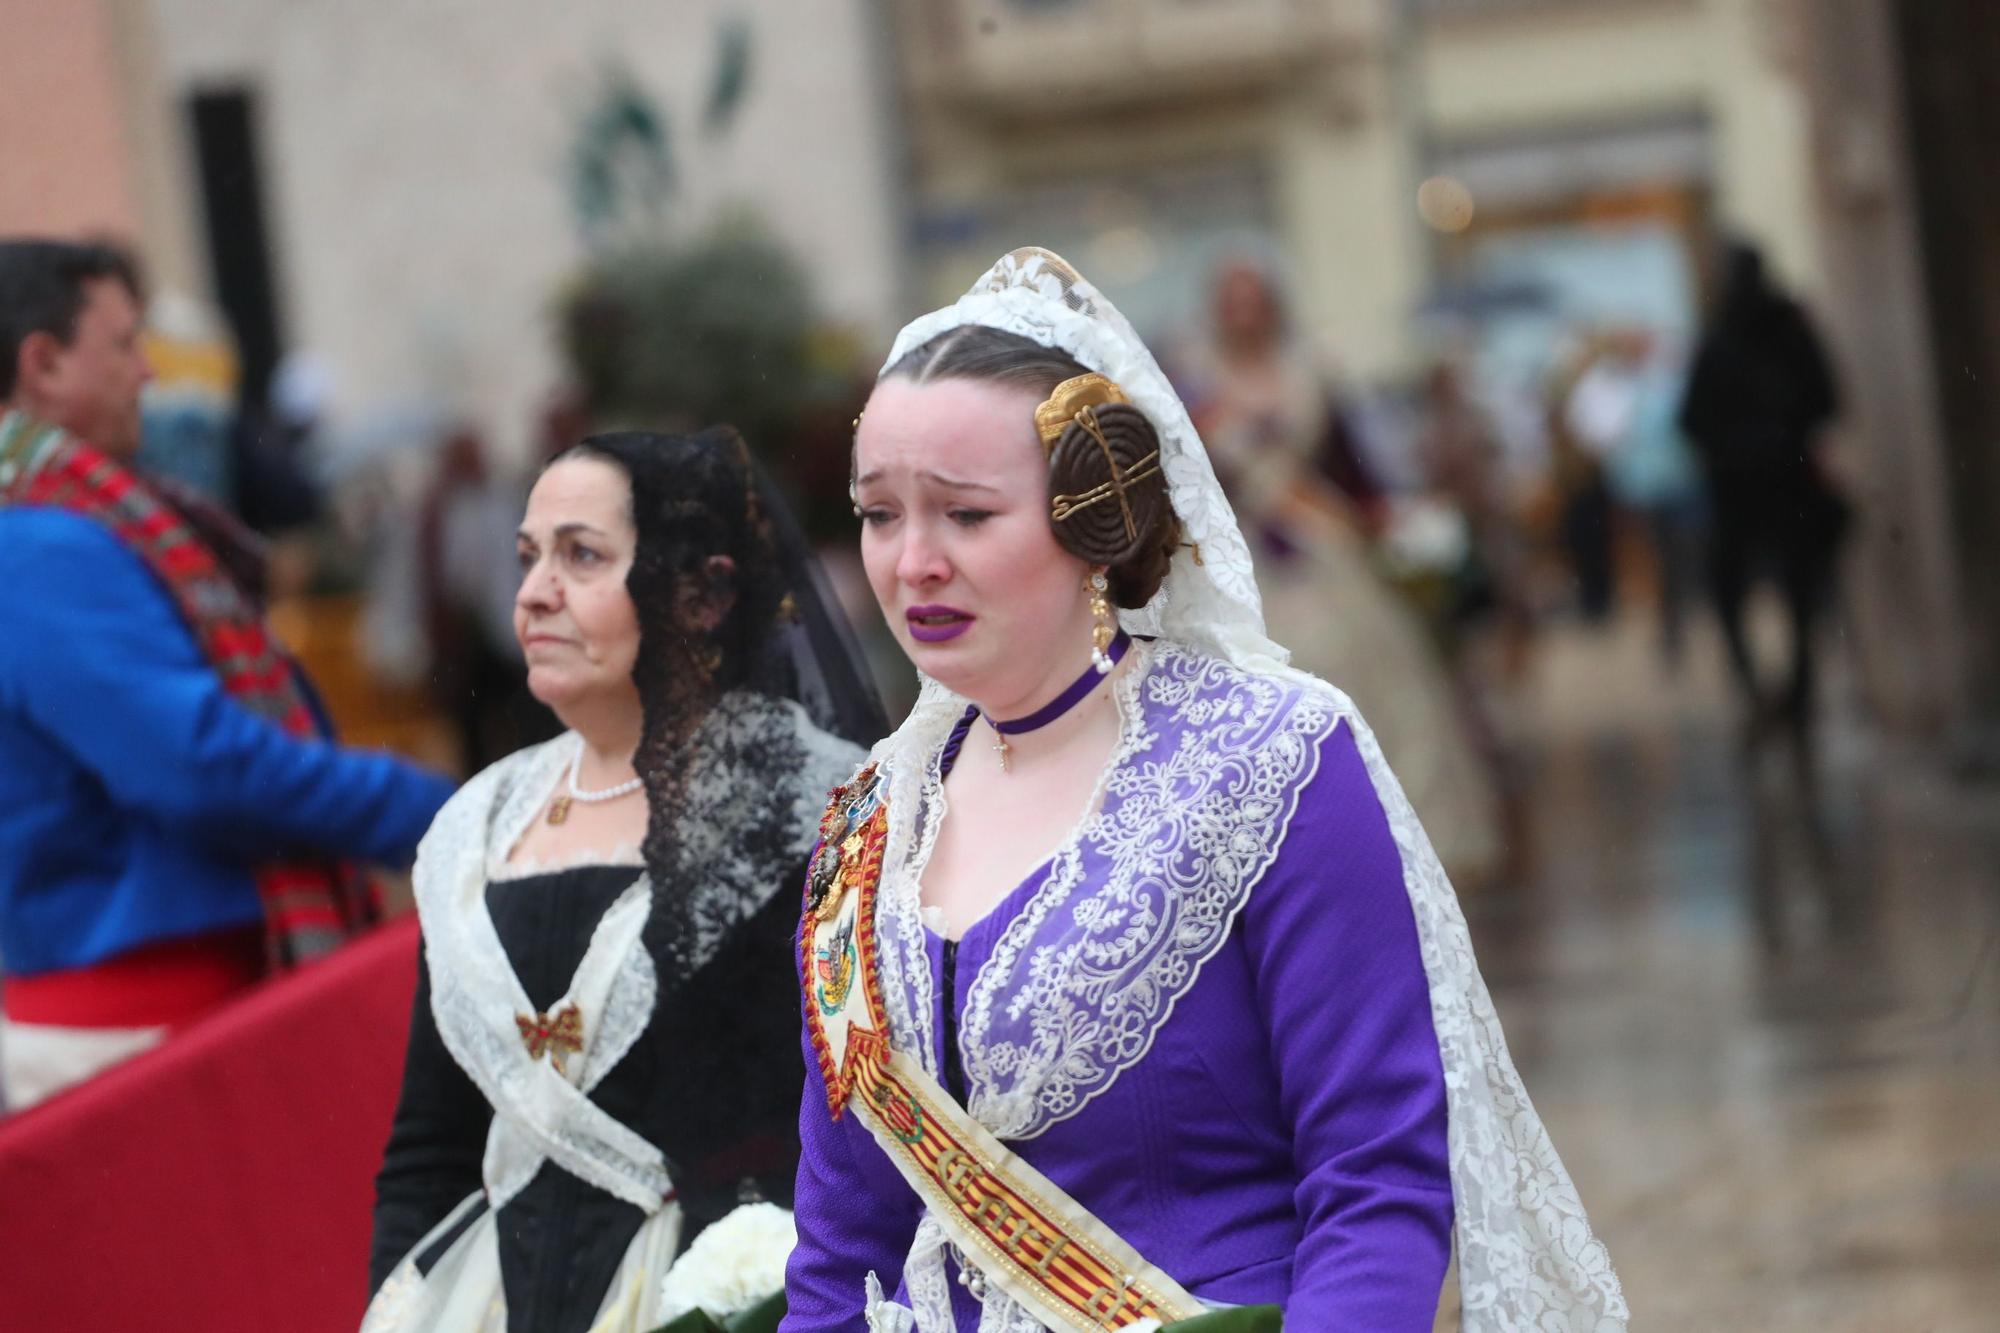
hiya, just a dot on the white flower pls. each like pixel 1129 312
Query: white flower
pixel 731 1266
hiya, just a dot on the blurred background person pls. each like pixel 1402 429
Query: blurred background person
pixel 1589 412
pixel 465 536
pixel 188 408
pixel 274 492
pixel 1760 395
pixel 1478 584
pixel 1463 463
pixel 1267 390
pixel 173 813
pixel 1297 478
pixel 1652 473
pixel 198 432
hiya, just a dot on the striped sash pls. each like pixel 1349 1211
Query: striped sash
pixel 1024 1234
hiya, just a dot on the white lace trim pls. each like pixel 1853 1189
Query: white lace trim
pixel 882 1314
pixel 623 855
pixel 909 774
pixel 538 1114
pixel 526 799
pixel 1082 985
pixel 927 1277
pixel 1526 1254
pixel 1078 986
pixel 1059 1010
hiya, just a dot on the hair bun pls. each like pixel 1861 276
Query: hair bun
pixel 1107 495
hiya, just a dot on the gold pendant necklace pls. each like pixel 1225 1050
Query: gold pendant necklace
pixel 1103 660
pixel 559 808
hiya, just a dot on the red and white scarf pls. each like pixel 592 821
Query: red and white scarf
pixel 310 906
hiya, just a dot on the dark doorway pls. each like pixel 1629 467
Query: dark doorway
pixel 239 246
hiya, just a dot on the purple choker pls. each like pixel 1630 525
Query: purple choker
pixel 1078 691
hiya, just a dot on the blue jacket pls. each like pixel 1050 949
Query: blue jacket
pixel 136 795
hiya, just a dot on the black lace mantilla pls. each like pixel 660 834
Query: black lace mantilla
pixel 731 833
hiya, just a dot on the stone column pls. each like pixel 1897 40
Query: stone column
pixel 1902 581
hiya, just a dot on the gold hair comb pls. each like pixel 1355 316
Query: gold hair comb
pixel 1052 418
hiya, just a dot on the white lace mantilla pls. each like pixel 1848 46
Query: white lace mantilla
pixel 1527 1257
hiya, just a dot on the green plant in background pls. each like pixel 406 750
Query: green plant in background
pixel 671 327
pixel 1244 1319
pixel 732 75
pixel 677 335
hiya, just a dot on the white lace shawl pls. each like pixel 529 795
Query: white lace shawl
pixel 538 1114
pixel 1527 1257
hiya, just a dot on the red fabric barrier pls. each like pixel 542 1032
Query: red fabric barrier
pixel 224 1181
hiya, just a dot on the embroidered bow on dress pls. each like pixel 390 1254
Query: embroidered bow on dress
pixel 559 1034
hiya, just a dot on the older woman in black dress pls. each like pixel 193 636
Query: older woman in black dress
pixel 571 1113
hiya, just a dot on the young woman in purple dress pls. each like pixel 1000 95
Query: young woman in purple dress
pixel 1158 967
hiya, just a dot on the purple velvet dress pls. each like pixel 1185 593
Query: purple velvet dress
pixel 1279 1138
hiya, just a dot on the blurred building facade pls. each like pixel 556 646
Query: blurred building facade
pixel 85 149
pixel 1398 157
pixel 1147 137
pixel 385 186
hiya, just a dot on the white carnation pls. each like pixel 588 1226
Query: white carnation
pixel 731 1266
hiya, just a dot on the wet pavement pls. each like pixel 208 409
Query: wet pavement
pixel 1763 1026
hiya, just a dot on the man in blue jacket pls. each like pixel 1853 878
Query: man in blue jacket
pixel 174 817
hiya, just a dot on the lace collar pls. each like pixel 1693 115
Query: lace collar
pixel 1189 812
pixel 760 778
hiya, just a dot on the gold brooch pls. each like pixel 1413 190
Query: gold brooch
pixel 558 1035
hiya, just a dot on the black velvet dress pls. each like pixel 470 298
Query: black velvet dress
pixel 713 1082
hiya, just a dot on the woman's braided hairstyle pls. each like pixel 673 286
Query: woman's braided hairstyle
pixel 1111 451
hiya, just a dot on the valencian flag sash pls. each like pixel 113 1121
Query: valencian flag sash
pixel 1023 1232
pixel 309 906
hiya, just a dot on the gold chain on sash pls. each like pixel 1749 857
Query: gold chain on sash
pixel 1023 1232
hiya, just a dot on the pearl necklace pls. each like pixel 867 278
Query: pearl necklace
pixel 559 808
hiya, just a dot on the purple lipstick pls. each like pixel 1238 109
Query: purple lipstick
pixel 935 624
